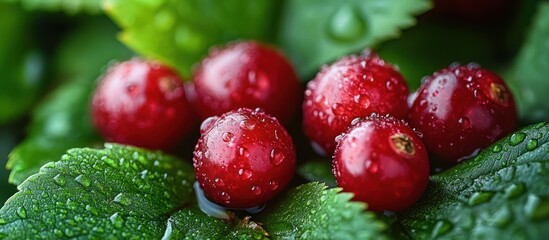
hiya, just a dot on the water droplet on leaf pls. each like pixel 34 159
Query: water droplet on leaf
pixel 347 24
pixel 517 138
pixel 480 197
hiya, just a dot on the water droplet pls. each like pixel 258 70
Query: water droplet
pixel 516 138
pixel 389 85
pixel 536 207
pixel 219 182
pixel 227 137
pixel 372 167
pixel 514 190
pixel 441 227
pixel 347 24
pixel 60 180
pixel 501 218
pixel 496 148
pixel 247 124
pixel 117 220
pixel 273 185
pixel 464 122
pixel 256 190
pixel 21 212
pixel 225 196
pixel 3 221
pixel 363 100
pixel 480 197
pixel 242 151
pixel 244 173
pixel 71 205
pixel 122 199
pixel 83 180
pixel 92 210
pixel 110 161
pixel 532 144
pixel 276 156
pixel 338 108
pixel 207 124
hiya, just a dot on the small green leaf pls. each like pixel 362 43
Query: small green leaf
pixel 116 192
pixel 68 6
pixel 194 224
pixel 315 32
pixel 503 193
pixel 529 75
pixel 180 32
pixel 313 212
pixel 318 171
pixel 63 120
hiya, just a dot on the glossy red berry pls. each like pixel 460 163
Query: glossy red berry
pixel 383 162
pixel 354 86
pixel 245 74
pixel 461 109
pixel 243 158
pixel 142 103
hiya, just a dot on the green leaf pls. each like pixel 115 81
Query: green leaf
pixel 313 212
pixel 194 224
pixel 20 64
pixel 180 32
pixel 318 171
pixel 529 75
pixel 62 121
pixel 503 193
pixel 68 6
pixel 117 192
pixel 315 32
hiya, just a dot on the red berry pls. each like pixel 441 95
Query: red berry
pixel 461 109
pixel 245 74
pixel 142 103
pixel 243 158
pixel 354 86
pixel 383 162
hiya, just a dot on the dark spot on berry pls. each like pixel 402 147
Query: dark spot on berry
pixel 498 93
pixel 403 144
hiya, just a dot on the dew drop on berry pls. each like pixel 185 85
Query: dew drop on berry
pixel 372 167
pixel 389 85
pixel 464 122
pixel 247 125
pixel 338 109
pixel 227 137
pixel 242 151
pixel 256 190
pixel 244 173
pixel 319 99
pixel 219 182
pixel 276 156
pixel 355 121
pixel 225 196
pixel 273 185
pixel 207 124
pixel 363 100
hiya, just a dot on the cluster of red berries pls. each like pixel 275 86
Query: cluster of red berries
pixel 359 110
